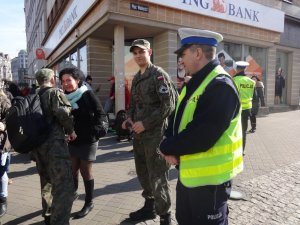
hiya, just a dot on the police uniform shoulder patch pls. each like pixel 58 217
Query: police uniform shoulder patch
pixel 163 89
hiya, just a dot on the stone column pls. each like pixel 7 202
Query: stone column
pixel 270 82
pixel 119 67
pixel 163 47
pixel 99 64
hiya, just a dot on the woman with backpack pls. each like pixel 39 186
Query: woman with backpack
pixel 90 125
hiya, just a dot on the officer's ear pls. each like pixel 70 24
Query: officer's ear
pixel 150 51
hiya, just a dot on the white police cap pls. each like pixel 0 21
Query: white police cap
pixel 241 64
pixel 191 36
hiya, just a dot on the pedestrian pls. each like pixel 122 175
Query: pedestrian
pixel 279 85
pixel 259 87
pixel 110 101
pixel 245 88
pixel 152 101
pixel 5 149
pixel 89 83
pixel 89 120
pixel 255 106
pixel 52 157
pixel 204 135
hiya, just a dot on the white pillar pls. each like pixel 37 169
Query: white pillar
pixel 119 67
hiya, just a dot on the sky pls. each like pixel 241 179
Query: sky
pixel 12 27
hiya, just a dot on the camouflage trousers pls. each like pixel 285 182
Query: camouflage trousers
pixel 57 186
pixel 153 172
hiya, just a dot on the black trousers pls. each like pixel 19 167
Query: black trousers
pixel 253 121
pixel 245 117
pixel 205 205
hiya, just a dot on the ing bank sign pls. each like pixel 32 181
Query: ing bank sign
pixel 238 11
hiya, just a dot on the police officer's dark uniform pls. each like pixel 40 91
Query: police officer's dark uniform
pixel 205 134
pixel 245 86
pixel 151 102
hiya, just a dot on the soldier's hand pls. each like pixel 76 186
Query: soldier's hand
pixel 138 127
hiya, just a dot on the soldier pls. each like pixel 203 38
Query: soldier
pixel 152 101
pixel 52 157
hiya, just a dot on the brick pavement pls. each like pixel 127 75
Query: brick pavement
pixel 270 181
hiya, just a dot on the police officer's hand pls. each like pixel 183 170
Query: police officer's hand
pixel 138 127
pixel 171 159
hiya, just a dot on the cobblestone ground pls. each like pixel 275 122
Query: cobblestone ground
pixel 271 199
pixel 270 181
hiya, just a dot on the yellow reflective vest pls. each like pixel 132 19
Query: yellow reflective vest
pixel 245 86
pixel 221 162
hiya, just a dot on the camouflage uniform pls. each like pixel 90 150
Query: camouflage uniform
pixel 53 159
pixel 151 103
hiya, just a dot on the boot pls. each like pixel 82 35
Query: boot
pixel 3 206
pixel 88 205
pixel 147 212
pixel 47 220
pixel 165 219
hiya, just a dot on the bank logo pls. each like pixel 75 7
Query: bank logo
pixel 219 6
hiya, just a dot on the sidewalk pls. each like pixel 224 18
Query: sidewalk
pixel 270 181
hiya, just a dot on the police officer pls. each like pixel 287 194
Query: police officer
pixel 245 86
pixel 204 136
pixel 52 157
pixel 150 105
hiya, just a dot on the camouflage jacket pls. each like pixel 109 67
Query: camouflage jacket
pixel 57 110
pixel 151 98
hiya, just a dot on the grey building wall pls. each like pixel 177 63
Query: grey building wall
pixel 291 34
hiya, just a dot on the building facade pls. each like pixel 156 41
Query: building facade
pixel 36 27
pixel 15 69
pixel 96 36
pixel 5 67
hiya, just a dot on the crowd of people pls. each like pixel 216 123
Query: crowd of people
pixel 166 130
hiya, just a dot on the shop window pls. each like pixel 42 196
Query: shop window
pixel 82 57
pixel 234 50
pixel 257 57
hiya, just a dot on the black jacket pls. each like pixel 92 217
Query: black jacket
pixel 215 109
pixel 87 119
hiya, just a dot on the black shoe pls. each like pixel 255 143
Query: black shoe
pixel 147 212
pixel 47 220
pixel 165 219
pixel 3 208
pixel 85 210
pixel 252 130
